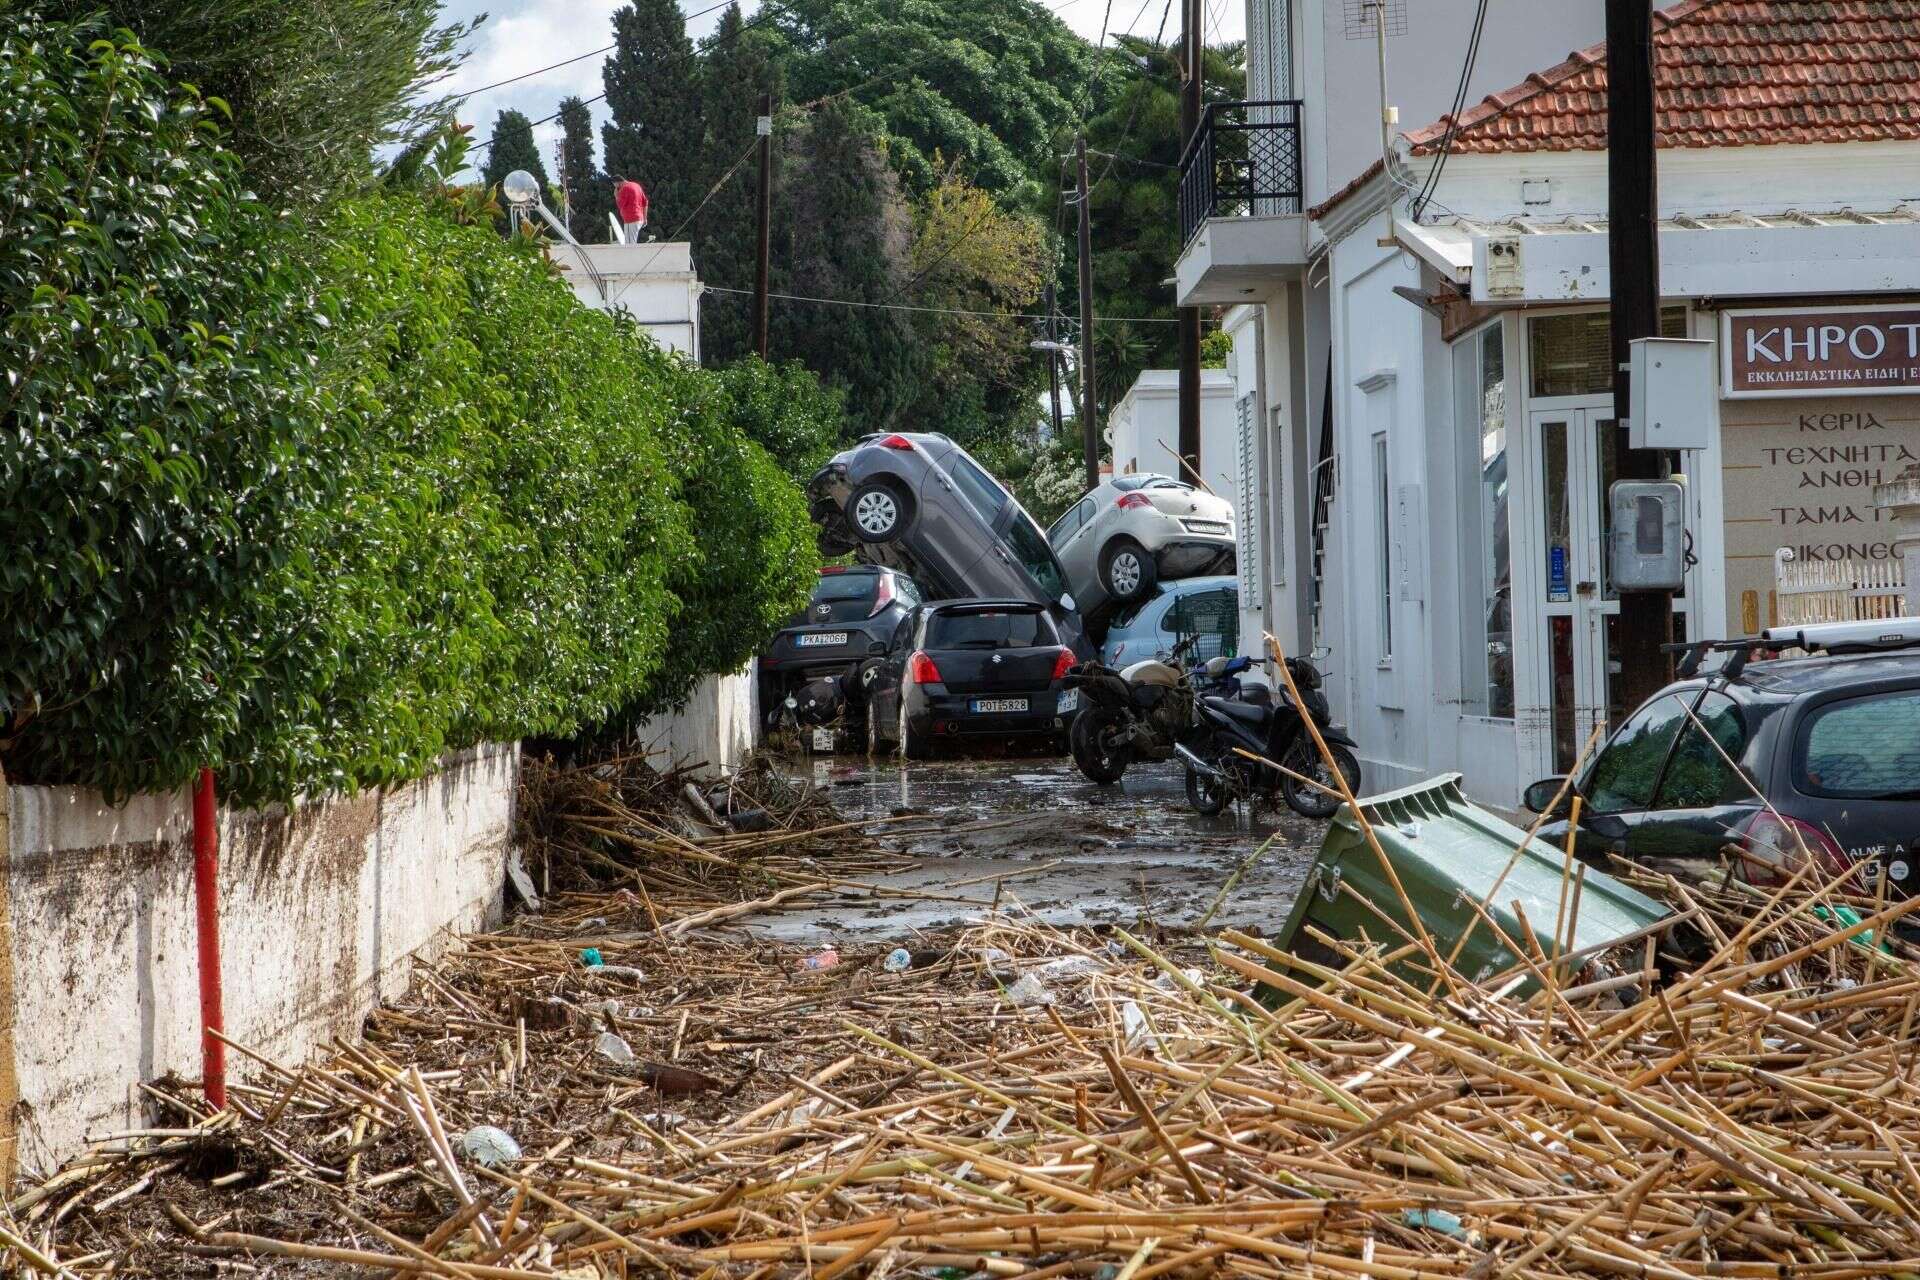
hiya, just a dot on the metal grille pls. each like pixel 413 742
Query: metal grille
pixel 1243 160
pixel 1251 525
pixel 1358 17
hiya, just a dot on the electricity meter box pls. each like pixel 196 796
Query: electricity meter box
pixel 1648 551
pixel 1673 402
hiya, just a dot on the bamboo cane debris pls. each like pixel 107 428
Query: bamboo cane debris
pixel 1754 1117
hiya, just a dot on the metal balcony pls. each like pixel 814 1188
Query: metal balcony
pixel 1243 161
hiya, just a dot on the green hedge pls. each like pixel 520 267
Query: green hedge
pixel 319 507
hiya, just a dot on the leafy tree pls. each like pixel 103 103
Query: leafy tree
pixel 314 86
pixel 738 66
pixel 653 93
pixel 510 146
pixel 589 192
pixel 970 255
pixel 842 194
pixel 784 409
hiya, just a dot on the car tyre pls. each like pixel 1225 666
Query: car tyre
pixel 914 746
pixel 877 511
pixel 1101 759
pixel 874 740
pixel 1127 572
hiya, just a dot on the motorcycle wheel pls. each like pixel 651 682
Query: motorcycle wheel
pixel 1207 793
pixel 1100 758
pixel 1310 802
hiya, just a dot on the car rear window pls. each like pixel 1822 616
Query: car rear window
pixel 990 629
pixel 845 586
pixel 1863 748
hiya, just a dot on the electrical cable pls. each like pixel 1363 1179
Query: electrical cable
pixel 1134 114
pixel 1432 183
pixel 578 57
pixel 942 311
pixel 687 221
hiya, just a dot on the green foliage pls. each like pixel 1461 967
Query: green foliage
pixel 653 93
pixel 784 409
pixel 510 146
pixel 314 86
pixel 1216 348
pixel 161 425
pixel 589 192
pixel 738 66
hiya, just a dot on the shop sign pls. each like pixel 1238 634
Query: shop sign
pixel 1813 351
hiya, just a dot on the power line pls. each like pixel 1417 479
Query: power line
pixel 1134 114
pixel 579 57
pixel 942 311
pixel 1432 184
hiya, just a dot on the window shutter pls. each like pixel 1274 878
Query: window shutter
pixel 1252 528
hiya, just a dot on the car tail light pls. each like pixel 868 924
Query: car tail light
pixel 882 595
pixel 920 668
pixel 896 442
pixel 1062 663
pixel 1770 846
pixel 826 569
pixel 1129 501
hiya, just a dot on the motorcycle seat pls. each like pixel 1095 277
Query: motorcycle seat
pixel 1244 711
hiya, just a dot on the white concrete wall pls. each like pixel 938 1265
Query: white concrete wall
pixel 1144 429
pixel 654 281
pixel 322 910
pixel 715 728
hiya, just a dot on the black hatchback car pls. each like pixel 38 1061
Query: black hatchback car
pixel 814 668
pixel 1832 740
pixel 959 668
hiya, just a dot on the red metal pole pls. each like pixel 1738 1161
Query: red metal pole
pixel 206 902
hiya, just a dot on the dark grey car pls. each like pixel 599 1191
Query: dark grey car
pixel 918 503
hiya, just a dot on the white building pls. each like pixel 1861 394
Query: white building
pixel 654 281
pixel 1144 430
pixel 1429 380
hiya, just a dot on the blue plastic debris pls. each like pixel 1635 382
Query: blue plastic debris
pixel 1438 1219
pixel 590 957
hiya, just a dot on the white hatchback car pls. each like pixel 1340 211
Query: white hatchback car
pixel 1132 532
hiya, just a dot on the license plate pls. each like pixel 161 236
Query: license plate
pixel 819 639
pixel 823 739
pixel 999 704
pixel 1206 526
pixel 1069 701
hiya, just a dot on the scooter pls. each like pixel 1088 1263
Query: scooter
pixel 1275 730
pixel 1143 711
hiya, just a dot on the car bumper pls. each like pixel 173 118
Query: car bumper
pixel 1193 557
pixel 938 714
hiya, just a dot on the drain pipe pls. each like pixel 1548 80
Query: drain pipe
pixel 206 902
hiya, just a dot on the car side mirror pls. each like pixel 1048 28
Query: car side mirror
pixel 878 649
pixel 1540 796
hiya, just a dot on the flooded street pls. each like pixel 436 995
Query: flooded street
pixel 1035 830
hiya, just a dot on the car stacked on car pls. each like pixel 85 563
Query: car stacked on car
pixel 817 666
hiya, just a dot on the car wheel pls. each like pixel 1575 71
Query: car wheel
pixel 915 746
pixel 877 512
pixel 873 733
pixel 1127 571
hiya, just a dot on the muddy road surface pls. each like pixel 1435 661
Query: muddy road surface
pixel 1035 830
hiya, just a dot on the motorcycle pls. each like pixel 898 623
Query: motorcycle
pixel 1143 711
pixel 1276 730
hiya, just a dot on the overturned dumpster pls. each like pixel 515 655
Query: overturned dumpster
pixel 1482 891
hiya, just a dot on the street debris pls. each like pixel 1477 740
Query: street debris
pixel 1733 1095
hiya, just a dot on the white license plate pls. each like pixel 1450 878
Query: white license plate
pixel 1207 526
pixel 819 639
pixel 823 739
pixel 1069 701
pixel 999 704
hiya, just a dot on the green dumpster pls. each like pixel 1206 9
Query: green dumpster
pixel 1448 854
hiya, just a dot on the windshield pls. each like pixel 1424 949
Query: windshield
pixel 1031 550
pixel 1863 748
pixel 990 629
pixel 845 586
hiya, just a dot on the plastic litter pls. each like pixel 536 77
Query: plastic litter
pixel 590 957
pixel 613 1049
pixel 1133 1024
pixel 1030 992
pixel 1069 967
pixel 618 971
pixel 898 960
pixel 1438 1219
pixel 820 960
pixel 488 1147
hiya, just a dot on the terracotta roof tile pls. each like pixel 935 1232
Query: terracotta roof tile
pixel 1728 73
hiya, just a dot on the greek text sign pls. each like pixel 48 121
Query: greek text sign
pixel 1854 351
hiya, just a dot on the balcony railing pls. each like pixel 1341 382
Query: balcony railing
pixel 1243 161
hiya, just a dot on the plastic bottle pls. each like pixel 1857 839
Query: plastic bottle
pixel 590 957
pixel 822 960
pixel 898 960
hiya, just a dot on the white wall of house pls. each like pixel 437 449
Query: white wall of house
pixel 654 282
pixel 1144 429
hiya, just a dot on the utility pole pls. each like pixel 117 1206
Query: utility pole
pixel 1633 259
pixel 1089 409
pixel 764 127
pixel 1191 91
pixel 1053 357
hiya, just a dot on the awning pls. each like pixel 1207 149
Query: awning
pixel 1731 255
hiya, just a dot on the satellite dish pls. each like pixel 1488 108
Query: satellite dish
pixel 520 188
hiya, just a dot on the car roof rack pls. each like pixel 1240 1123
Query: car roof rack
pixel 1694 652
pixel 1877 635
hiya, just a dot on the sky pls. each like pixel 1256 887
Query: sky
pixel 521 35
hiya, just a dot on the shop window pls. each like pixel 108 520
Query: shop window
pixel 1572 354
pixel 1383 530
pixel 1486 646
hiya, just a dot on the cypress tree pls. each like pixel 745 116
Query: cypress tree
pixel 737 68
pixel 512 147
pixel 589 191
pixel 653 94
